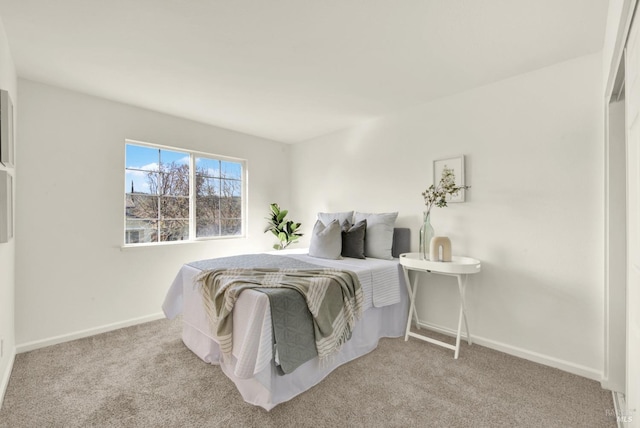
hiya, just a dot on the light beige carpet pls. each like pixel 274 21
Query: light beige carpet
pixel 144 376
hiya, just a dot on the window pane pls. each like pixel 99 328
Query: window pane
pixel 230 200
pixel 136 181
pixel 207 216
pixel 218 207
pixel 208 167
pixel 208 227
pixel 140 231
pixel 230 188
pixel 141 207
pixel 231 170
pixel 207 186
pixel 207 207
pixel 231 226
pixel 142 158
pixel 174 208
pixel 174 180
pixel 174 230
pixel 168 157
pixel 230 208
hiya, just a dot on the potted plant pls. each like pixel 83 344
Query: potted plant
pixel 285 230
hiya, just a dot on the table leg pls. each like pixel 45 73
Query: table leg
pixel 462 283
pixel 462 287
pixel 457 350
pixel 413 301
pixel 411 289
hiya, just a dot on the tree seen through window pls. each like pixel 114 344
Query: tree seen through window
pixel 158 190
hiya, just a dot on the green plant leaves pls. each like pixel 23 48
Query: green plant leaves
pixel 285 230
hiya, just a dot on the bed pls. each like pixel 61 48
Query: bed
pixel 251 365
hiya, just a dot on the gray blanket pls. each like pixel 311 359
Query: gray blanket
pixel 293 333
pixel 250 261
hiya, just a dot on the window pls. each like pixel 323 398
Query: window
pixel 218 197
pixel 177 195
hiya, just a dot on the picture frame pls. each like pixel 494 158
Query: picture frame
pixel 456 163
pixel 6 130
pixel 6 206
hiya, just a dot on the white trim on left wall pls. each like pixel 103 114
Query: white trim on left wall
pixel 4 382
pixel 37 344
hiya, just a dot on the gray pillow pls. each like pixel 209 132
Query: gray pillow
pixel 327 218
pixel 379 237
pixel 326 242
pixel 353 239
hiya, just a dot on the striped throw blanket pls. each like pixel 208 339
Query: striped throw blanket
pixel 334 298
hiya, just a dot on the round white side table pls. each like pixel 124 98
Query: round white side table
pixel 461 268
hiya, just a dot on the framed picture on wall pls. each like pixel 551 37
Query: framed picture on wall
pixel 456 164
pixel 6 129
pixel 6 206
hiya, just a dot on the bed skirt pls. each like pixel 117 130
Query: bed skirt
pixel 267 388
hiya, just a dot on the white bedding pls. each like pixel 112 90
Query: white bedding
pixel 385 312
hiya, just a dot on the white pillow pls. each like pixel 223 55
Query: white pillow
pixel 327 218
pixel 326 242
pixel 379 237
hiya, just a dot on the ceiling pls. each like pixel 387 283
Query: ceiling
pixel 291 70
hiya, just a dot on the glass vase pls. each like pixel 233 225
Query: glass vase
pixel 426 233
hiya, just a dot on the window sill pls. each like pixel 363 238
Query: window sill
pixel 128 247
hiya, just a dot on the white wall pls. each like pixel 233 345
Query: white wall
pixel 617 16
pixel 615 333
pixel 8 82
pixel 72 277
pixel 534 214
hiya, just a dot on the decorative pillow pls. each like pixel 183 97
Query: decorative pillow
pixel 326 242
pixel 353 237
pixel 327 218
pixel 379 237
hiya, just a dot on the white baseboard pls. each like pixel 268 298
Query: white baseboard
pixel 36 344
pixel 4 382
pixel 606 383
pixel 620 406
pixel 536 357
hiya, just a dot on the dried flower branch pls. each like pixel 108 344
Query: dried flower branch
pixel 437 195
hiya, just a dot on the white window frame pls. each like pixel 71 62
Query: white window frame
pixel 193 154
